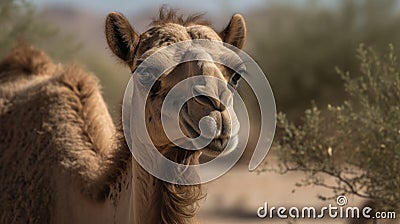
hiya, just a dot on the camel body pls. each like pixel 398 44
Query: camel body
pixel 55 132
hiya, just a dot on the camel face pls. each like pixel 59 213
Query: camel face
pixel 219 119
pixel 219 122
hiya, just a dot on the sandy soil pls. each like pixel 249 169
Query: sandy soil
pixel 235 197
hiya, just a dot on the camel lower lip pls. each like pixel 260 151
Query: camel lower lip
pixel 217 144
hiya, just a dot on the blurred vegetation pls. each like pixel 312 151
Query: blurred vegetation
pixel 355 143
pixel 298 46
pixel 19 21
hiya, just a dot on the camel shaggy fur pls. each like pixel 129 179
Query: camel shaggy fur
pixel 56 135
pixel 62 159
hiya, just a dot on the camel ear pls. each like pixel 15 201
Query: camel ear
pixel 121 37
pixel 235 32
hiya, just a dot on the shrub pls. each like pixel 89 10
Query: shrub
pixel 358 142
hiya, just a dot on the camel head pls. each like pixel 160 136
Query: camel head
pixel 133 48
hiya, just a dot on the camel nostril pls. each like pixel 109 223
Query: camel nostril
pixel 202 96
pixel 207 97
pixel 203 100
pixel 209 101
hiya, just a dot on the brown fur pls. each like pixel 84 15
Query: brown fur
pixel 168 15
pixel 53 122
pixel 180 202
pixel 34 63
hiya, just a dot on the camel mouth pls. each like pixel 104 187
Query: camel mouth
pixel 227 147
pixel 220 143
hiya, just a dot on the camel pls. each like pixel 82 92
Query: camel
pixel 63 160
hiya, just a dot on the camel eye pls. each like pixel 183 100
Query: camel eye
pixel 235 78
pixel 146 77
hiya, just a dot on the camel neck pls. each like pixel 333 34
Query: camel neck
pixel 146 196
pixel 155 201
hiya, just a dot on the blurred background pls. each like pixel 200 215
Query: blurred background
pixel 297 43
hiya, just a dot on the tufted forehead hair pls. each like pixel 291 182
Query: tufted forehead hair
pixel 169 15
pixel 161 36
pixel 168 28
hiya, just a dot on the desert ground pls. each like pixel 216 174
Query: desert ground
pixel 236 196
